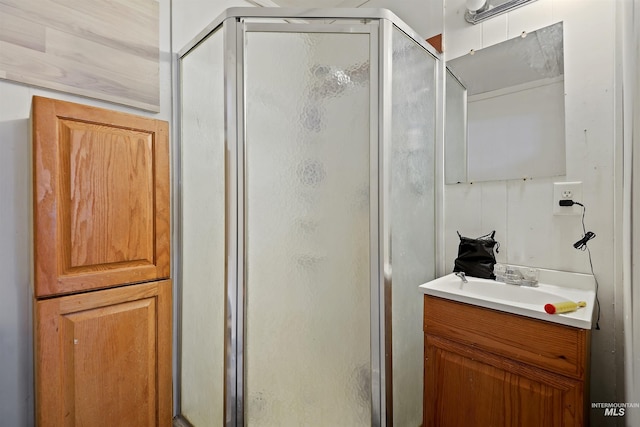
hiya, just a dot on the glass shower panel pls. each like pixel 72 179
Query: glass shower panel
pixel 412 216
pixel 307 257
pixel 203 231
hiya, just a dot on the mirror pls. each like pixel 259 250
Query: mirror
pixel 505 110
pixel 455 130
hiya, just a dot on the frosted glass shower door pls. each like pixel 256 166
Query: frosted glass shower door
pixel 202 322
pixel 411 212
pixel 307 242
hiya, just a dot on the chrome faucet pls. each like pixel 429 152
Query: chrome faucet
pixel 513 273
pixel 521 276
pixel 462 276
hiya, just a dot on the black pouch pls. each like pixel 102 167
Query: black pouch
pixel 476 257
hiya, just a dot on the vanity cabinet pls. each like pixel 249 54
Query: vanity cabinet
pixel 102 294
pixel 484 367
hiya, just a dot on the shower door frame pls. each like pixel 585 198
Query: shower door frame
pixel 379 25
pixel 236 285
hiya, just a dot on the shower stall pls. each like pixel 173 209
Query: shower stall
pixel 307 218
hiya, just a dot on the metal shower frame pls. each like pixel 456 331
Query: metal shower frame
pixel 234 23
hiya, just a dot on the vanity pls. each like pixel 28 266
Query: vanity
pixel 494 357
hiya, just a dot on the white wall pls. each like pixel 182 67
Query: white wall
pixel 423 16
pixel 629 47
pixel 16 372
pixel 521 211
pixel 16 365
pixel 190 17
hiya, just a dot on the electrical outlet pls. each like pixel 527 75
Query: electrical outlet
pixel 567 191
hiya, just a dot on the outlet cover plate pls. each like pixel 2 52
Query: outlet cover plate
pixel 567 191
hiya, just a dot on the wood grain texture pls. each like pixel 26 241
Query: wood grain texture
pixel 101 198
pixel 105 49
pixel 108 177
pixel 463 383
pixel 103 358
pixel 436 42
pixel 501 369
pixel 557 348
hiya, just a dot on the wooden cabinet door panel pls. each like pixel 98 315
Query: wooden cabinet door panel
pixel 103 358
pixel 550 346
pixel 101 198
pixel 465 386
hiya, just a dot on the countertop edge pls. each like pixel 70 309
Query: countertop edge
pixel 479 302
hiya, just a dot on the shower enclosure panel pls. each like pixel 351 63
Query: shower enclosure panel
pixel 408 217
pixel 307 228
pixel 203 254
pixel 295 170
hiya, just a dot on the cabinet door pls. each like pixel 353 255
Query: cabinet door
pixel 101 198
pixel 465 386
pixel 103 358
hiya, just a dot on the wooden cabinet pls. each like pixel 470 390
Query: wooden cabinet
pixel 103 358
pixel 102 301
pixel 488 368
pixel 101 198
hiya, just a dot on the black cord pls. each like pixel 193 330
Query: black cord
pixel 582 245
pixel 596 279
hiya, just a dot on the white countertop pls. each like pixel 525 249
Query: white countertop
pixel 554 286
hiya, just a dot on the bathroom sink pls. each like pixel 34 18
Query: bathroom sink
pixel 511 293
pixel 527 301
